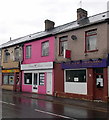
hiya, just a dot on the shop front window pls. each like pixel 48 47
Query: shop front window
pixel 8 79
pixel 28 78
pixel 75 75
pixel 11 80
pixel 41 78
pixel 5 79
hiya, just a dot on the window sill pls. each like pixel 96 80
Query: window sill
pixel 8 84
pixel 91 51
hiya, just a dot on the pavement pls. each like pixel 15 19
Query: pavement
pixel 92 105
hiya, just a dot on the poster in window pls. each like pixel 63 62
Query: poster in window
pixel 99 81
pixel 11 80
pixel 76 79
pixel 27 81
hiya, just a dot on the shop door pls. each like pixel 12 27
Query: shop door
pixel 35 82
pixel 49 83
pixel 17 82
pixel 98 84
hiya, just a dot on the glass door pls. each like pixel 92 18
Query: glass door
pixel 35 82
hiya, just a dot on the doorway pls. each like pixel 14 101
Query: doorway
pixel 35 82
pixel 98 83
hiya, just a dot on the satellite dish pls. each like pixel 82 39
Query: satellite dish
pixel 74 37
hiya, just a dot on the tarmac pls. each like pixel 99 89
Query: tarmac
pixel 92 105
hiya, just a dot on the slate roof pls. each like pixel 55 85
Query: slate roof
pixel 59 29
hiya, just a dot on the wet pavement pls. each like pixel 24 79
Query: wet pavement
pixel 71 108
pixel 94 105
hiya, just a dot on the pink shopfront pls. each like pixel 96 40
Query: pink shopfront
pixel 37 67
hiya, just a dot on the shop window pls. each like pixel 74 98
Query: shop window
pixel 63 45
pixel 5 79
pixel 98 70
pixel 91 40
pixel 28 51
pixel 75 75
pixel 8 79
pixel 11 80
pixel 41 78
pixel 28 78
pixel 45 48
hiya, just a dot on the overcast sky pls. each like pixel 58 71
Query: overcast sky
pixel 23 17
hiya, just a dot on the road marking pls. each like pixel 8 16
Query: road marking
pixel 53 114
pixel 12 104
pixel 7 103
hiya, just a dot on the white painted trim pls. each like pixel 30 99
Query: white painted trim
pixel 36 66
pixel 37 71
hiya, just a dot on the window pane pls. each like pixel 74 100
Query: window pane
pixel 91 40
pixel 98 70
pixel 45 48
pixel 16 54
pixel 5 79
pixel 41 78
pixel 6 55
pixel 11 80
pixel 28 51
pixel 27 78
pixel 63 45
pixel 35 79
pixel 76 76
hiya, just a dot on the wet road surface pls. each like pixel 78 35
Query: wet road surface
pixel 17 106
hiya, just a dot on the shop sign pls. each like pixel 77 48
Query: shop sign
pixel 34 66
pixel 84 64
pixel 11 71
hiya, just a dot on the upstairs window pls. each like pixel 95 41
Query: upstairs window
pixel 28 51
pixel 91 40
pixel 6 55
pixel 16 54
pixel 45 48
pixel 63 41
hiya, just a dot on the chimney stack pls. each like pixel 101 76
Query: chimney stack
pixel 81 14
pixel 49 25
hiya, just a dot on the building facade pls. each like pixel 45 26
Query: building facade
pixel 10 62
pixel 37 67
pixel 81 58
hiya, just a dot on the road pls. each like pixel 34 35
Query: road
pixel 17 106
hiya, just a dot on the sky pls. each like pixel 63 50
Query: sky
pixel 23 17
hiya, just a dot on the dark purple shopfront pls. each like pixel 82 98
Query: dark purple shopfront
pixel 84 79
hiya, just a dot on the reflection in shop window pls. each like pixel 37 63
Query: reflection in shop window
pixel 8 79
pixel 5 79
pixel 75 75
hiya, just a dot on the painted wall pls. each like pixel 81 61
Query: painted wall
pixel 25 88
pixel 58 78
pixel 36 56
pixel 77 47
